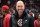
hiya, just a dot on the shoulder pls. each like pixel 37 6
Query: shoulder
pixel 29 16
pixel 7 16
pixel 12 16
pixel 35 21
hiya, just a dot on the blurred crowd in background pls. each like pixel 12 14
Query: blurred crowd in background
pixel 32 6
pixel 29 4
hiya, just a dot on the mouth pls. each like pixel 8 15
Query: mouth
pixel 20 10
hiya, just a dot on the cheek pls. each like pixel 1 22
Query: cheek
pixel 16 8
pixel 23 7
pixel 4 13
pixel 39 17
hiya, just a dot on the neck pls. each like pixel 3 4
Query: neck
pixel 20 14
pixel 6 14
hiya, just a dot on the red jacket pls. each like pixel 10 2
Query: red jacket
pixel 6 20
pixel 36 23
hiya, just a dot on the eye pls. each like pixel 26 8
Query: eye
pixel 18 6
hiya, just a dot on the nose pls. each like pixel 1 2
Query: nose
pixel 20 7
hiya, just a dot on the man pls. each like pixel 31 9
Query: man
pixel 5 9
pixel 1 20
pixel 37 22
pixel 12 11
pixel 21 18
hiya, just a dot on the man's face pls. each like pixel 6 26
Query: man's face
pixel 39 16
pixel 3 12
pixel 20 7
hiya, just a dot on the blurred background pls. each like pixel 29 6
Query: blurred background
pixel 30 4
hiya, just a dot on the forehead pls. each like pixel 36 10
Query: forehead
pixel 20 4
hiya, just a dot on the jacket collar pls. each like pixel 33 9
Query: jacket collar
pixel 24 14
